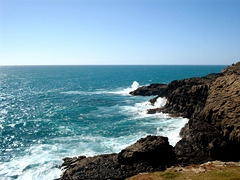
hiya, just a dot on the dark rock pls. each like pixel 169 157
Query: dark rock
pixel 153 149
pixel 154 111
pixel 213 130
pixel 98 167
pixel 147 154
pixel 212 105
pixel 152 90
pixel 70 161
pixel 187 97
pixel 153 100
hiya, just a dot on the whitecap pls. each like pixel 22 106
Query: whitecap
pixel 75 92
pixel 171 129
pixel 165 124
pixel 12 125
pixel 39 162
pixel 119 91
pixel 126 91
pixel 42 161
pixel 160 102
pixel 4 111
pixel 142 108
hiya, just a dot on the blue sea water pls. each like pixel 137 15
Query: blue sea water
pixel 50 112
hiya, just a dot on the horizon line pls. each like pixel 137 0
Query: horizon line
pixel 118 65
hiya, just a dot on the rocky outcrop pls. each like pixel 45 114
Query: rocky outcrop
pixel 213 133
pixel 146 155
pixel 219 121
pixel 151 90
pixel 212 105
pixel 153 149
pixel 186 97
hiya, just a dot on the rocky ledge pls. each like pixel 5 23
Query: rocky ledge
pixel 212 105
pixel 149 154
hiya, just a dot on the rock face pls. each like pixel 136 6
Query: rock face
pixel 213 133
pixel 212 104
pixel 147 154
pixel 186 97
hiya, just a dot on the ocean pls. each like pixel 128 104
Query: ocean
pixel 51 112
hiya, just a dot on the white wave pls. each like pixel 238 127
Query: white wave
pixel 39 162
pixel 120 91
pixel 85 92
pixel 135 85
pixel 171 129
pixel 165 124
pixel 160 102
pixel 12 125
pixel 4 111
pixel 42 161
pixel 141 108
pixel 75 92
pixel 126 91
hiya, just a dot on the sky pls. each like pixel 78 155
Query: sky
pixel 119 32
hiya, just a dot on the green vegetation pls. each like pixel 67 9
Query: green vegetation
pixel 169 175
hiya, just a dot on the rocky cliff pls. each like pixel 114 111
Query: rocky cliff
pixel 212 104
pixel 214 132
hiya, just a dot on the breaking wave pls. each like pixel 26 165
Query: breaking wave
pixel 120 91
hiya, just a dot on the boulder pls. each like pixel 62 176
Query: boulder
pixel 154 150
pixel 146 155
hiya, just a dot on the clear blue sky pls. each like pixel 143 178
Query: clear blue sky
pixel 79 32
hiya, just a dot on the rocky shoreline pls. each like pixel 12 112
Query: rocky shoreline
pixel 212 105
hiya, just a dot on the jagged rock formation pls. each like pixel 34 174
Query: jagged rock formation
pixel 214 133
pixel 212 104
pixel 147 154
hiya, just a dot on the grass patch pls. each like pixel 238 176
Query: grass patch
pixel 169 175
pixel 216 173
pixel 228 173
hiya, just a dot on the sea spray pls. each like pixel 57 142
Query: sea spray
pixel 126 91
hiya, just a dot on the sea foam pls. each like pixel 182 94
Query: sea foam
pixel 119 91
pixel 141 108
pixel 126 91
pixel 42 161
